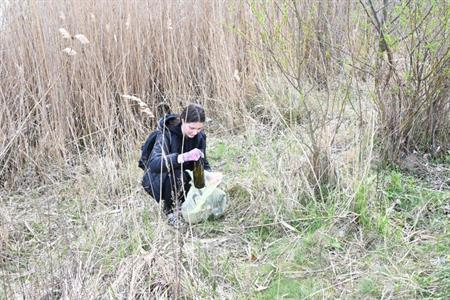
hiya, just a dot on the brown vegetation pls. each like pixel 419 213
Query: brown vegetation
pixel 65 65
pixel 310 93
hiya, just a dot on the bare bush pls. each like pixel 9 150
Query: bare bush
pixel 411 76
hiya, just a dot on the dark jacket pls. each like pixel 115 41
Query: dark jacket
pixel 163 158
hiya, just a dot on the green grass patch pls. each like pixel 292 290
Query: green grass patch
pixel 283 287
pixel 370 288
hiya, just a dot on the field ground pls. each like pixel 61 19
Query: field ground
pixel 312 104
pixel 96 234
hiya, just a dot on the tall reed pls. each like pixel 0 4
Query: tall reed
pixel 65 64
pixel 61 95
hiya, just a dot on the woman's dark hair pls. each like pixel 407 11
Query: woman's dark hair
pixel 193 113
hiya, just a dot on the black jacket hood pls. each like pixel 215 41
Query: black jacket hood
pixel 167 121
pixel 171 123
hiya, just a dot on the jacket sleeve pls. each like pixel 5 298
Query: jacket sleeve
pixel 160 159
pixel 203 148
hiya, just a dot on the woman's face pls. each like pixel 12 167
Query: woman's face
pixel 191 129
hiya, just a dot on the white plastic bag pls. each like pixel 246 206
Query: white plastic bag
pixel 208 202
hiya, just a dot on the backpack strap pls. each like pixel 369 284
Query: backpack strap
pixel 146 149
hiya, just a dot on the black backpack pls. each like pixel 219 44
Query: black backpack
pixel 147 148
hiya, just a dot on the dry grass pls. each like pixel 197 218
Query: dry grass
pixel 297 125
pixel 97 234
pixel 67 65
pixel 64 66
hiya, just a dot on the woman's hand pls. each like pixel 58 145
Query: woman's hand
pixel 193 155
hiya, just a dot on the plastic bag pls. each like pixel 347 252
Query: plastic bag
pixel 206 203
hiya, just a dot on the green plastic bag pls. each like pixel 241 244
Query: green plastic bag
pixel 206 203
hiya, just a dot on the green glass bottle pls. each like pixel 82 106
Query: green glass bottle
pixel 199 174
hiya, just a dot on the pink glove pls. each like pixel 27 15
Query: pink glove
pixel 192 155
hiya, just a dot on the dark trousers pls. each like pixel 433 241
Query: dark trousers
pixel 174 189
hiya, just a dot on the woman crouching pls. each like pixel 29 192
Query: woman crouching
pixel 179 143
